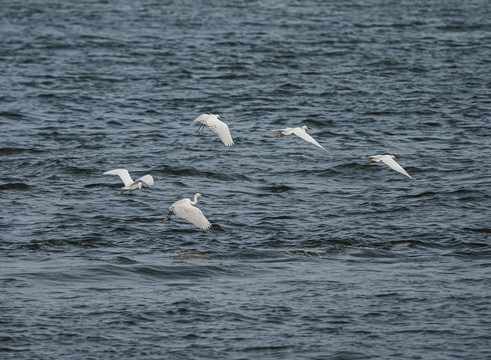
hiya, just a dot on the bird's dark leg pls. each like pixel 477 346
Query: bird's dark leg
pixel 202 128
pixel 168 216
pixel 121 192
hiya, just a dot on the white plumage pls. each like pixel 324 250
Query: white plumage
pixel 186 210
pixel 129 184
pixel 387 160
pixel 299 131
pixel 217 126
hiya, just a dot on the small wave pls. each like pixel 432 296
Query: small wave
pixel 289 85
pixel 89 186
pixel 182 271
pixel 87 241
pixel 78 170
pixel 281 217
pixel 126 260
pixel 225 77
pixel 192 256
pixel 207 174
pixel 277 188
pixel 217 227
pixel 374 253
pixel 140 219
pixel 479 230
pixel 422 194
pixel 461 27
pixel 14 186
pixel 12 150
pixel 390 25
pixel 12 115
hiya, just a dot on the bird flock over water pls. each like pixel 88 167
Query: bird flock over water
pixel 186 209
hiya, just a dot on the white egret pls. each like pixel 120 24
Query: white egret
pixel 217 126
pixel 300 132
pixel 387 160
pixel 185 210
pixel 129 184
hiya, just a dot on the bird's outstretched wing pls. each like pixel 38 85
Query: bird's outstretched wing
pixel 389 161
pixel 147 179
pixel 221 129
pixel 193 215
pixel 123 174
pixel 303 134
pixel 198 119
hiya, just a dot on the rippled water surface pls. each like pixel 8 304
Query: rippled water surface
pixel 311 255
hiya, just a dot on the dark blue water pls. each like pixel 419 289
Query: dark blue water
pixel 312 255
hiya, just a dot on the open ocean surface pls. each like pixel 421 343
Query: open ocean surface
pixel 311 255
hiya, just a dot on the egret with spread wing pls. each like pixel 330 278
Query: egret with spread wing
pixel 300 132
pixel 387 160
pixel 129 184
pixel 186 210
pixel 217 126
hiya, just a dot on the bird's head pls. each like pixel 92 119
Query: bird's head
pixel 305 127
pixel 199 195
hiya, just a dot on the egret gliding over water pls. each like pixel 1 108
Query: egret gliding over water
pixel 387 160
pixel 186 210
pixel 300 131
pixel 129 184
pixel 217 126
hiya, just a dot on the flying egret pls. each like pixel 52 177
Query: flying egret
pixel 300 132
pixel 185 210
pixel 217 126
pixel 387 160
pixel 129 184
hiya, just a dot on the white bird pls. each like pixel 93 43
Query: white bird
pixel 300 132
pixel 129 184
pixel 185 210
pixel 217 126
pixel 387 160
